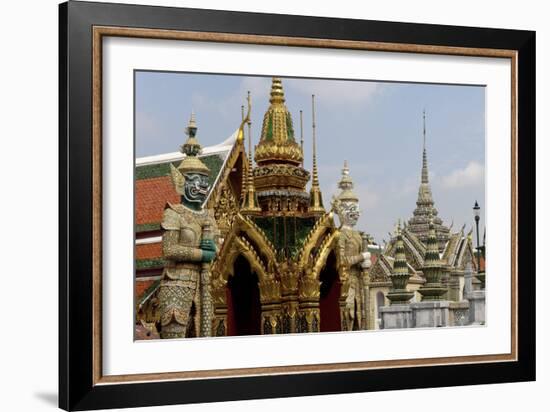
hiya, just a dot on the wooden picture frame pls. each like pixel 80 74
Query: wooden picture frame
pixel 82 385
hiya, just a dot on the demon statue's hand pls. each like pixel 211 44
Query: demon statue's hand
pixel 208 244
pixel 366 263
pixel 208 256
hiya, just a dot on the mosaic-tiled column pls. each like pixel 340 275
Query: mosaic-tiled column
pixel 309 314
pixel 270 298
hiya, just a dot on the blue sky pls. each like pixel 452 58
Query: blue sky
pixel 376 127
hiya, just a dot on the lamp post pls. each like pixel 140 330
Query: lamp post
pixel 476 209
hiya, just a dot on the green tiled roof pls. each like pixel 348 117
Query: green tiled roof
pixel 147 227
pixel 287 234
pixel 149 263
pixel 213 162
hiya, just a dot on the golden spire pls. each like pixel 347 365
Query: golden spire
pixel 316 199
pixel 302 133
pixel 250 201
pixel 240 138
pixel 315 174
pixel 277 143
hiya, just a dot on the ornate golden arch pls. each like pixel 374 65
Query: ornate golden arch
pixel 240 247
pixel 329 244
pixel 261 243
pixel 247 239
pixel 223 267
pixel 324 224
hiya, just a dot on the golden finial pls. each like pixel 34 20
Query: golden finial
pixel 277 141
pixel 277 94
pixel 249 122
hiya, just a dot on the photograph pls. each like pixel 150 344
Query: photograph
pixel 284 205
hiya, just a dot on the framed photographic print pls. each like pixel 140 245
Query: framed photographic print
pixel 259 205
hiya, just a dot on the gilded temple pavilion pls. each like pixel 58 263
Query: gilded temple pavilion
pixel 284 264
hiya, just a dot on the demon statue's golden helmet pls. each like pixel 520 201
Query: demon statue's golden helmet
pixel 190 178
pixel 346 204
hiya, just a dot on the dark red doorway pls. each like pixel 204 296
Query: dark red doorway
pixel 329 304
pixel 243 301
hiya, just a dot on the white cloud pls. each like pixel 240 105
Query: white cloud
pixel 368 199
pixel 229 107
pixel 327 92
pixel 259 88
pixel 472 175
pixel 336 92
pixel 404 187
pixel 146 124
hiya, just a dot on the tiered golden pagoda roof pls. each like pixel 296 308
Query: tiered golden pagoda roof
pixel 278 156
pixel 277 143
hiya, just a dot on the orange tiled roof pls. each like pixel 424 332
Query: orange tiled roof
pixel 151 197
pixel 142 286
pixel 149 251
